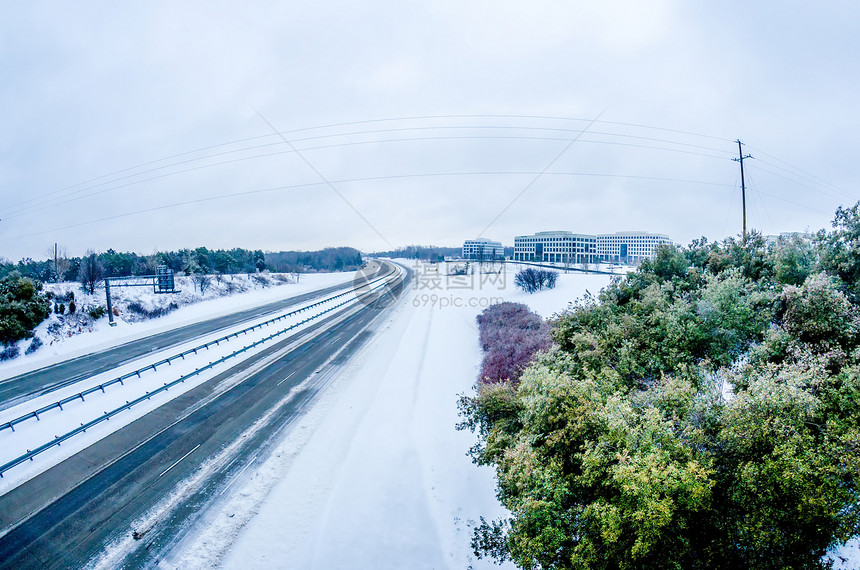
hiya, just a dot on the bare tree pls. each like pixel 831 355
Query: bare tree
pixel 60 257
pixel 201 281
pixel 532 280
pixel 91 271
pixel 63 264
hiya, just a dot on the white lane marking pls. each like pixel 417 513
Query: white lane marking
pixel 236 478
pixel 287 378
pixel 180 459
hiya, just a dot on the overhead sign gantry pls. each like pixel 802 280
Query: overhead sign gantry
pixel 162 282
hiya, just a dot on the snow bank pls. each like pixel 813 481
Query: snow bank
pixel 846 556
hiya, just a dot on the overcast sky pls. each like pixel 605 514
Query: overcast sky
pixel 300 125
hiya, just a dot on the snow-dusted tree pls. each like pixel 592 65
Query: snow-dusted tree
pixel 61 261
pixel 201 281
pixel 22 307
pixel 90 272
pixel 510 335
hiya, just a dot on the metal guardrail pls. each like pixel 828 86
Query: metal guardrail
pixel 562 268
pixel 121 379
pixel 167 385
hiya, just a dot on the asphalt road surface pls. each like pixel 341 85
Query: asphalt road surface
pixel 56 376
pixel 66 516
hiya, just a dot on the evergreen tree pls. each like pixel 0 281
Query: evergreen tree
pixel 22 307
pixel 699 413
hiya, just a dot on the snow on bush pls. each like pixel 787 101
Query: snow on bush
pixel 9 352
pixel 510 335
pixel 82 311
pixel 34 346
pixel 134 304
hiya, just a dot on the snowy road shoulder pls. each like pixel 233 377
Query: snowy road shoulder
pixel 375 475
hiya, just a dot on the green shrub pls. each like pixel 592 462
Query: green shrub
pixel 22 307
pixel 96 312
pixel 703 412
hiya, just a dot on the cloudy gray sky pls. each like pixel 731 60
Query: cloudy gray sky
pixel 146 125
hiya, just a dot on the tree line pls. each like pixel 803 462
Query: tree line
pixel 328 259
pixel 200 260
pixel 701 412
pixel 23 305
pixel 429 252
pixel 421 252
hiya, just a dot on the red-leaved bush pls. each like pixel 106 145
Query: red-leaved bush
pixel 510 335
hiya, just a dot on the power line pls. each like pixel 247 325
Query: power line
pixel 132 176
pixel 807 180
pixel 127 169
pixel 357 180
pixel 813 188
pixel 539 174
pixel 757 194
pixel 324 179
pixel 78 193
pixel 798 204
pixel 354 123
pixel 797 168
pixel 16 207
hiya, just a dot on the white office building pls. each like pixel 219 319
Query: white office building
pixel 556 247
pixel 629 248
pixel 483 249
pixel 774 240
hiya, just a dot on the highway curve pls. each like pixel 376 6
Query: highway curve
pixel 67 372
pixel 65 516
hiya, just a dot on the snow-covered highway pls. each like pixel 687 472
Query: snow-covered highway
pixel 128 391
pixel 15 387
pixel 162 465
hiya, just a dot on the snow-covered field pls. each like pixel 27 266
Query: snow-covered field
pixel 375 475
pixel 67 336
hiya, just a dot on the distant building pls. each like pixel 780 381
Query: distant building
pixel 629 247
pixel 483 249
pixel 773 240
pixel 567 247
pixel 556 247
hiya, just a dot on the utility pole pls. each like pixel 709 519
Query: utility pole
pixel 740 159
pixel 56 266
